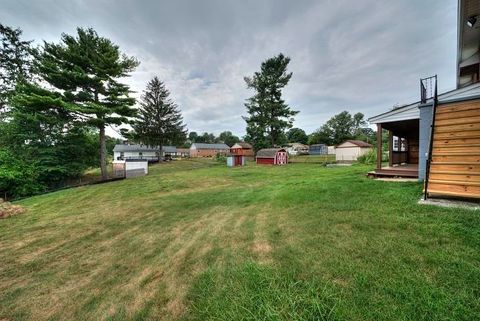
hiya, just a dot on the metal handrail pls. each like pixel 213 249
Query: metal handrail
pixel 423 85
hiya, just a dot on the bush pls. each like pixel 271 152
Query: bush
pixel 368 158
pixel 221 158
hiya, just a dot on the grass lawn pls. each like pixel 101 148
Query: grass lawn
pixel 196 241
pixel 312 159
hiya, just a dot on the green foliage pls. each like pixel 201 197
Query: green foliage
pixel 15 62
pixel 340 128
pixel 268 114
pixel 18 177
pixel 85 71
pixel 228 138
pixel 221 158
pixel 368 158
pixel 159 121
pixel 297 135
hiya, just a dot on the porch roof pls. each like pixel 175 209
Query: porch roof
pixel 411 111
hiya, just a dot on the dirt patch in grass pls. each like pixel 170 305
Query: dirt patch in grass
pixel 7 209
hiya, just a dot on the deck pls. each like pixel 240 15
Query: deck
pixel 403 170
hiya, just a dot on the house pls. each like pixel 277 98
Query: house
pixel 331 150
pixel 140 152
pixel 242 148
pixel 318 149
pixel 183 152
pixel 297 149
pixel 437 138
pixel 350 150
pixel 272 156
pixel 208 150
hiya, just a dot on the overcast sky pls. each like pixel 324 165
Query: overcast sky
pixel 361 56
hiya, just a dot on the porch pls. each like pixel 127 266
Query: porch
pixel 403 145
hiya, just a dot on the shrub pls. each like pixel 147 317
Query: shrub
pixel 368 158
pixel 221 158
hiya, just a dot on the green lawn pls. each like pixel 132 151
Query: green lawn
pixel 198 241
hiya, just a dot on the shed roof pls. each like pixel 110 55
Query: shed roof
pixel 142 148
pixel 243 145
pixel 358 143
pixel 269 152
pixel 209 146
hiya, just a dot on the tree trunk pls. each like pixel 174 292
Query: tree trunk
pixel 103 153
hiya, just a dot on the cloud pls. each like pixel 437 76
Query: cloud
pixel 364 56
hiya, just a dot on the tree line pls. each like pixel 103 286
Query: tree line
pixel 56 101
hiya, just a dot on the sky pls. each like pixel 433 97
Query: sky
pixel 360 56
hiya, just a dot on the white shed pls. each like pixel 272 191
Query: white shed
pixel 350 150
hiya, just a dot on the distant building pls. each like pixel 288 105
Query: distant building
pixel 242 148
pixel 208 150
pixel 318 149
pixel 141 152
pixel 272 156
pixel 297 149
pixel 350 150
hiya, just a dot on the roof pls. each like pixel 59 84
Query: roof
pixel 269 152
pixel 412 111
pixel 244 145
pixel 209 146
pixel 298 145
pixel 142 148
pixel 358 143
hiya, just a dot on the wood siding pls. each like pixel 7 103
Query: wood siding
pixel 455 167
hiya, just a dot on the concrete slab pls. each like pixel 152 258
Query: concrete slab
pixel 452 203
pixel 398 179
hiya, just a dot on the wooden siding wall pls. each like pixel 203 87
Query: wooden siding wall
pixel 455 168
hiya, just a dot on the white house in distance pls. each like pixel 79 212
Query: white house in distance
pixel 297 149
pixel 350 150
pixel 140 152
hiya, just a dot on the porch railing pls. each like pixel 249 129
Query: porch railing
pixel 428 90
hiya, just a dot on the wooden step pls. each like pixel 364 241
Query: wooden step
pixel 458 114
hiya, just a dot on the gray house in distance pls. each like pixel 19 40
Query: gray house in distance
pixel 141 152
pixel 437 139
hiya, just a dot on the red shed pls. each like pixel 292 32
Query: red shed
pixel 272 156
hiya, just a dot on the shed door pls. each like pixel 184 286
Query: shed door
pixel 281 158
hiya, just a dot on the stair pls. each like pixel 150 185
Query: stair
pixel 455 162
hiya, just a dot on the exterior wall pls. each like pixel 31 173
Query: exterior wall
pixel 136 165
pixel 206 152
pixel 350 153
pixel 424 140
pixel 116 155
pixel 265 161
pixel 331 150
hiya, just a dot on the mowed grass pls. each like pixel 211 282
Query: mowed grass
pixel 198 241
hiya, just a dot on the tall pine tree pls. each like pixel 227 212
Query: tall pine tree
pixel 85 72
pixel 269 115
pixel 159 120
pixel 15 62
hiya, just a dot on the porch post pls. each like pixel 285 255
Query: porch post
pixel 379 146
pixel 390 148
